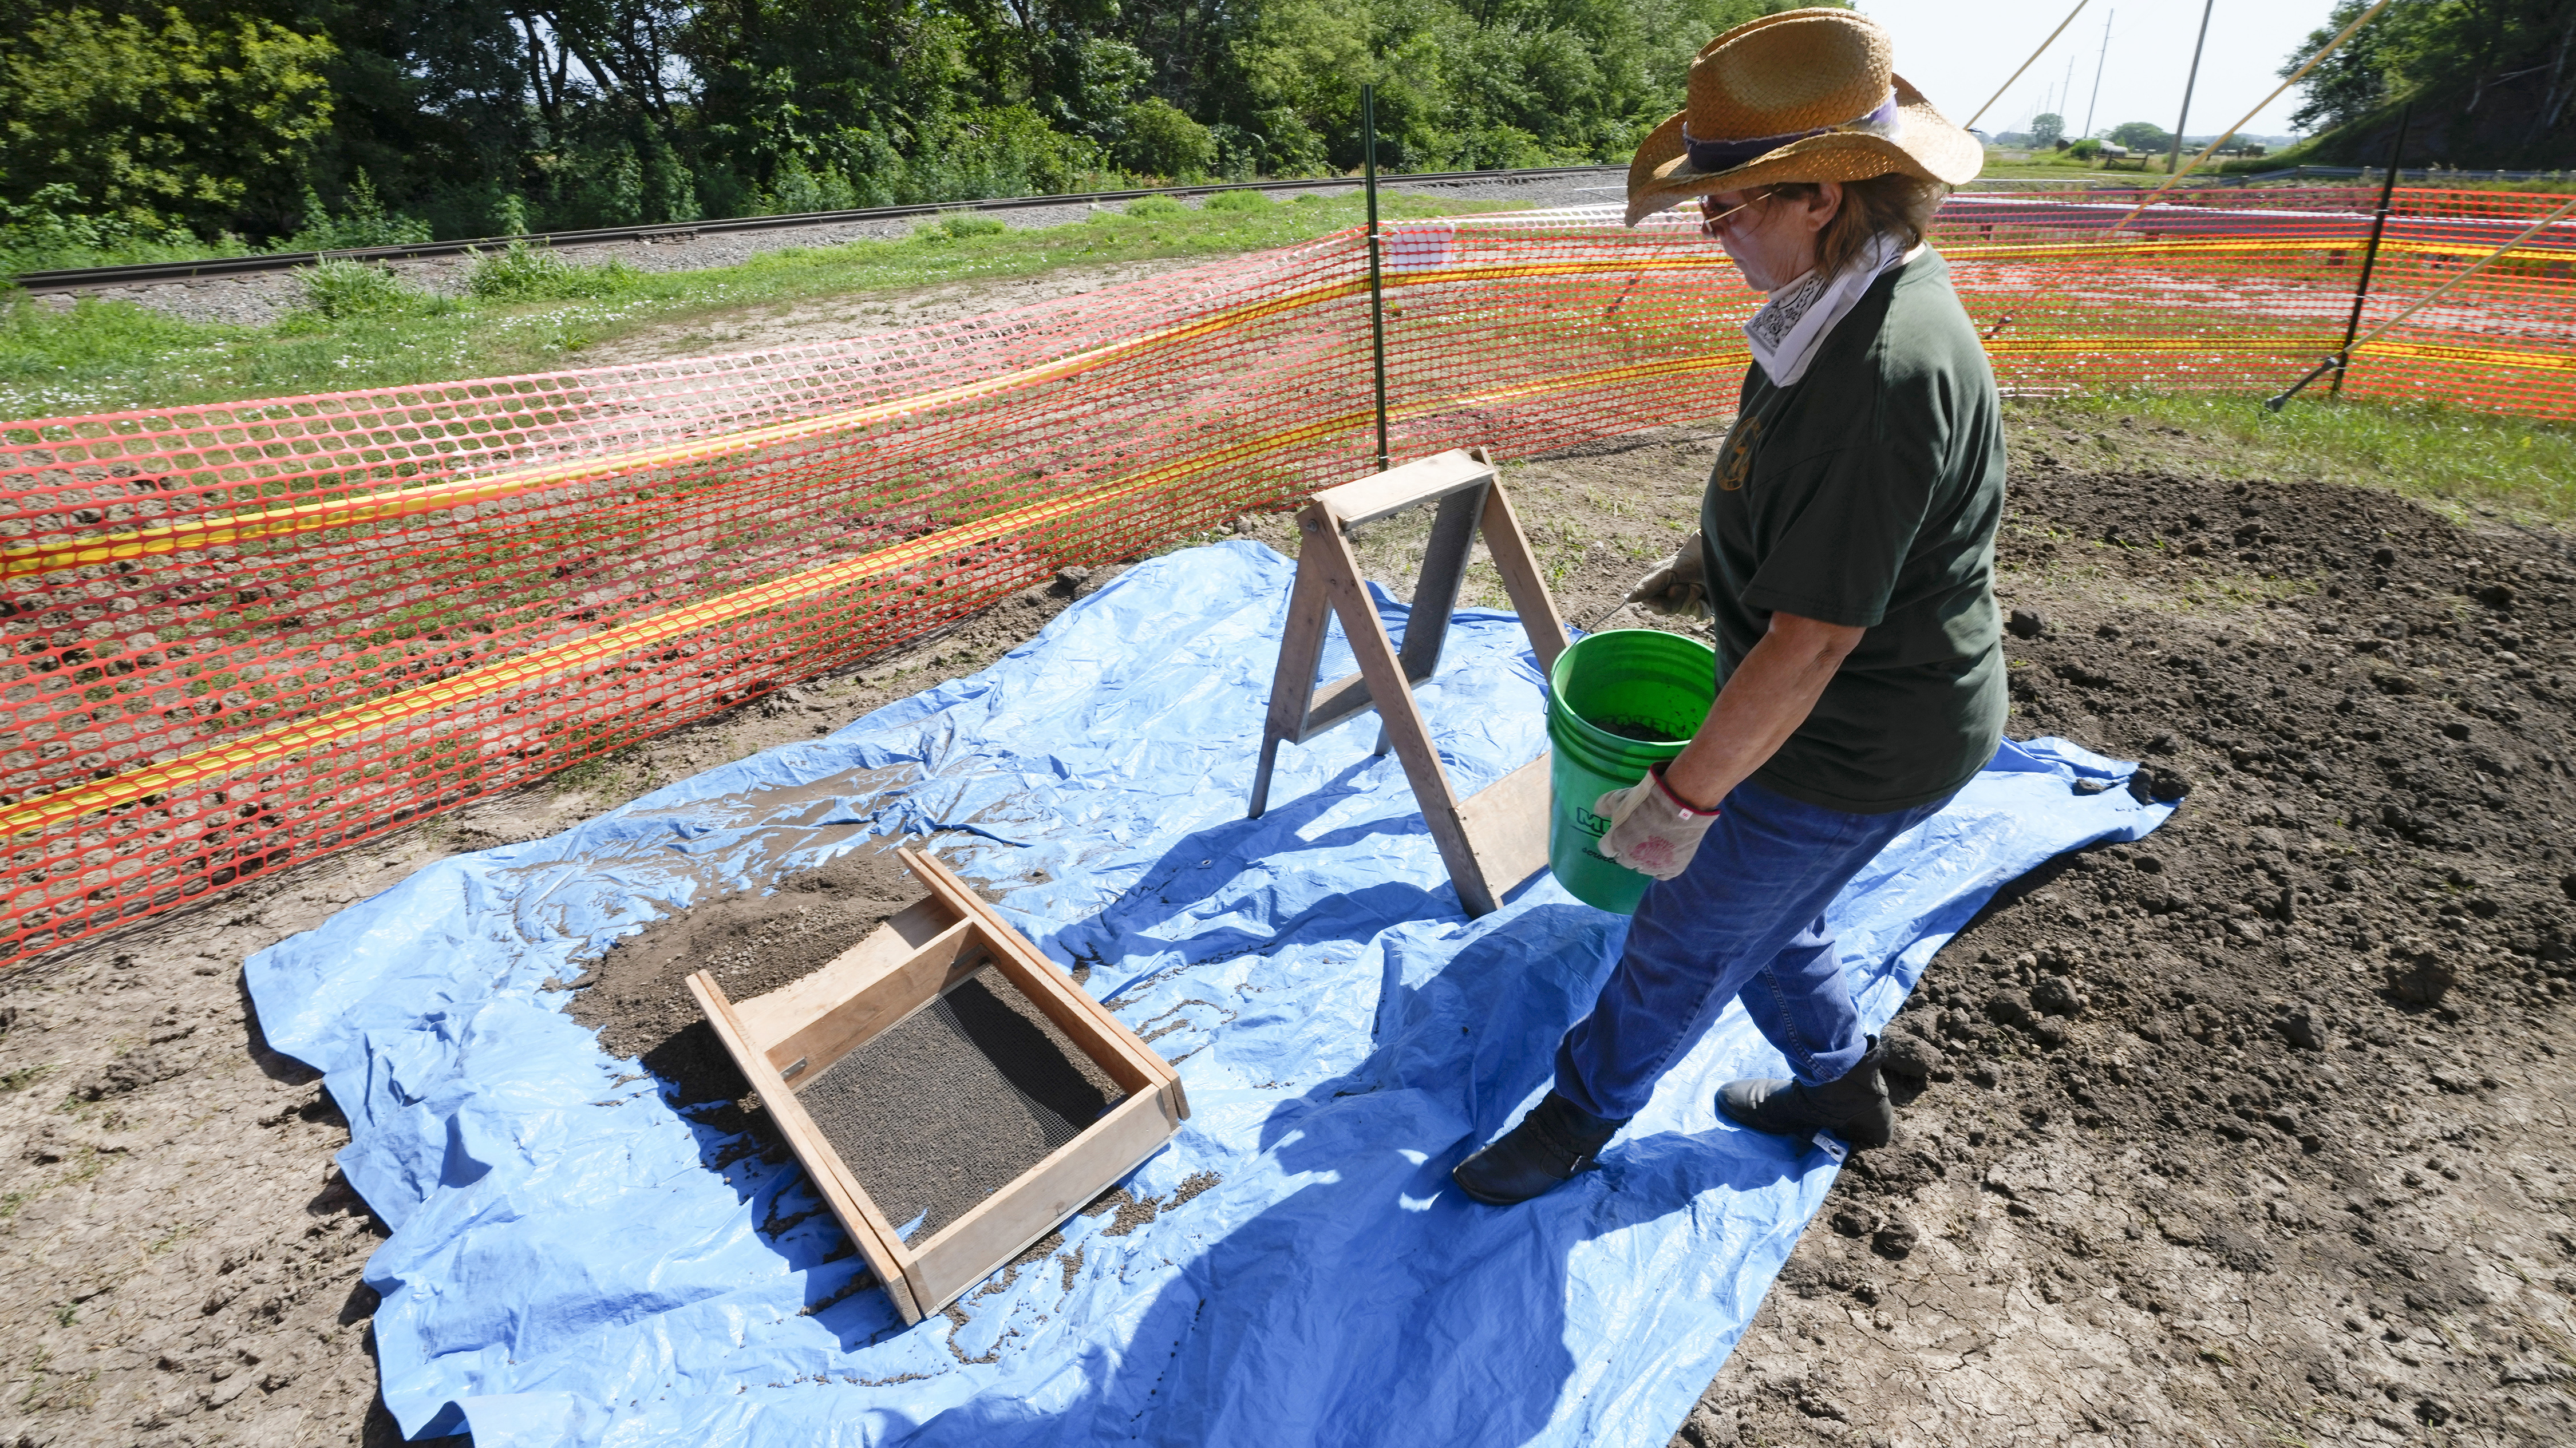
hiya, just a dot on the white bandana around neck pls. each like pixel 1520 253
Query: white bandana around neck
pixel 1794 323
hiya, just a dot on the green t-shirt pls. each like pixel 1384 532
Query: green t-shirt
pixel 1866 495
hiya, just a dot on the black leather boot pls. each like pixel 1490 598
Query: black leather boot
pixel 1853 1106
pixel 1552 1143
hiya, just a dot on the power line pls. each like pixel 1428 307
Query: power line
pixel 2296 76
pixel 2027 64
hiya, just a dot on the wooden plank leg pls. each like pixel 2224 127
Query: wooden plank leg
pixel 1435 593
pixel 1522 579
pixel 1444 572
pixel 1406 730
pixel 1292 687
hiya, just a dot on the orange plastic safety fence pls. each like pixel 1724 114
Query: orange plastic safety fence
pixel 250 633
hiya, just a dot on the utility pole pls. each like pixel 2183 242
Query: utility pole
pixel 2095 104
pixel 2174 161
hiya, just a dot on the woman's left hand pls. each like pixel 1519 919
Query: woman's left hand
pixel 1652 830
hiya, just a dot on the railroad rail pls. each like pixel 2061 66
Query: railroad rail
pixel 145 273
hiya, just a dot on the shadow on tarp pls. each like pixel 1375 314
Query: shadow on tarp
pixel 577 1259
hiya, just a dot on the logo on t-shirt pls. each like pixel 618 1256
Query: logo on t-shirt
pixel 1739 454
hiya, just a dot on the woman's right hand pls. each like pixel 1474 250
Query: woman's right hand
pixel 1678 585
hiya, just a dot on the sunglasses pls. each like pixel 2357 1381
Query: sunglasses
pixel 1709 219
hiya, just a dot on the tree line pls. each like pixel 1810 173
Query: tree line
pixel 341 123
pixel 132 124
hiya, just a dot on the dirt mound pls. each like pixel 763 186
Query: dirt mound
pixel 2255 1130
pixel 636 993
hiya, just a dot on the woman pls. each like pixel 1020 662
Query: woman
pixel 1846 548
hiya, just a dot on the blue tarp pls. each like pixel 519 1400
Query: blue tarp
pixel 577 1261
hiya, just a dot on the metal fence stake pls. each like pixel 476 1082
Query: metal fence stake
pixel 2370 259
pixel 1377 289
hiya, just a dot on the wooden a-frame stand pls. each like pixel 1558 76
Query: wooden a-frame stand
pixel 1496 838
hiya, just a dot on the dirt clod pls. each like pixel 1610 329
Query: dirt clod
pixel 1894 1240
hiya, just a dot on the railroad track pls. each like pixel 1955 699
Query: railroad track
pixel 148 273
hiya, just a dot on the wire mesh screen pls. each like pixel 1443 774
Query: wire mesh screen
pixel 250 633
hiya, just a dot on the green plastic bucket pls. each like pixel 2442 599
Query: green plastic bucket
pixel 1617 703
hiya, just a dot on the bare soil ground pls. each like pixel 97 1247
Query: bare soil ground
pixel 2255 1131
pixel 2252 1133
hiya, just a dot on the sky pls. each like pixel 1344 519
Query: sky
pixel 1957 51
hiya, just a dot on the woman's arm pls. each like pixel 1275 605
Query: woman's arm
pixel 1765 700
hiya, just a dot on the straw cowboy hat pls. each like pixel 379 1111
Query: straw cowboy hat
pixel 1805 95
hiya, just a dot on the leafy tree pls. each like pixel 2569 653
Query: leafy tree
pixel 1161 140
pixel 2047 128
pixel 1476 84
pixel 162 117
pixel 2141 136
pixel 2493 81
pixel 341 118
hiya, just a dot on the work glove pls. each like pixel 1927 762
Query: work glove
pixel 1677 585
pixel 1651 830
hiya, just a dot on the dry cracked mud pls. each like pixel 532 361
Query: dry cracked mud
pixel 2251 1133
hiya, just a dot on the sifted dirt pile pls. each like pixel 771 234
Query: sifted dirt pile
pixel 957 1101
pixel 636 993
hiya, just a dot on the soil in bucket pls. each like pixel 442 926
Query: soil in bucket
pixel 1618 703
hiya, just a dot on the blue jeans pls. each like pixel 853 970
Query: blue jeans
pixel 1746 919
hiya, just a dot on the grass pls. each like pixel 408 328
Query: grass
pixel 2459 460
pixel 536 312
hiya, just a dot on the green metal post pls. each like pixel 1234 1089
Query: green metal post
pixel 2370 259
pixel 1377 289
